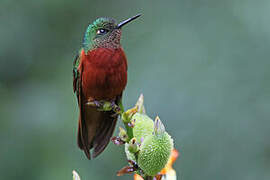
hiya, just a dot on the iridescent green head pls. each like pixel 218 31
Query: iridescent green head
pixel 104 33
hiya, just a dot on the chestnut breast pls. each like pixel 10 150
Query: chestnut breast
pixel 104 73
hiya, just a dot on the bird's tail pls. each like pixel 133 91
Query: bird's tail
pixel 95 130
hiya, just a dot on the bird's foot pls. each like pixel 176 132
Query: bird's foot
pixel 94 103
pixel 105 106
pixel 100 105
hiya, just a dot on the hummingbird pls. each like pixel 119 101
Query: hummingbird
pixel 99 75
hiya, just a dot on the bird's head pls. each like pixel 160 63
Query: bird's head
pixel 104 33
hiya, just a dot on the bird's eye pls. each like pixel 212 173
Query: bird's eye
pixel 102 31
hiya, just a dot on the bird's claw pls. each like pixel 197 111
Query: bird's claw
pixel 95 103
pixel 98 103
pixel 105 106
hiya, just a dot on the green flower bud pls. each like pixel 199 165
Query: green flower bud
pixel 155 150
pixel 130 155
pixel 126 116
pixel 139 107
pixel 143 126
pixel 133 146
pixel 123 134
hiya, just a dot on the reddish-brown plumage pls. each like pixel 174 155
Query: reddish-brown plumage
pixel 105 73
pixel 103 76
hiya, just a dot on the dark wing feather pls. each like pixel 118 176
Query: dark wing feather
pixel 77 88
pixel 105 132
pixel 76 73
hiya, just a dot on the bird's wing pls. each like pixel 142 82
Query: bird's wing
pixel 76 73
pixel 77 88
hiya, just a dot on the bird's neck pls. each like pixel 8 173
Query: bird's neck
pixel 105 45
pixel 112 41
pixel 115 44
pixel 109 47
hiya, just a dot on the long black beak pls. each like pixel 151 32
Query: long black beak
pixel 127 21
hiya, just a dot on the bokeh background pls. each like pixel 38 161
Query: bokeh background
pixel 203 66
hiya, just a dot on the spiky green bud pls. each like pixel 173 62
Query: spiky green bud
pixel 155 150
pixel 143 126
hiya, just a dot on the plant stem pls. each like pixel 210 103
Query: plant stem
pixel 129 131
pixel 149 178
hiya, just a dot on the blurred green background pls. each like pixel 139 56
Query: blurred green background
pixel 203 66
